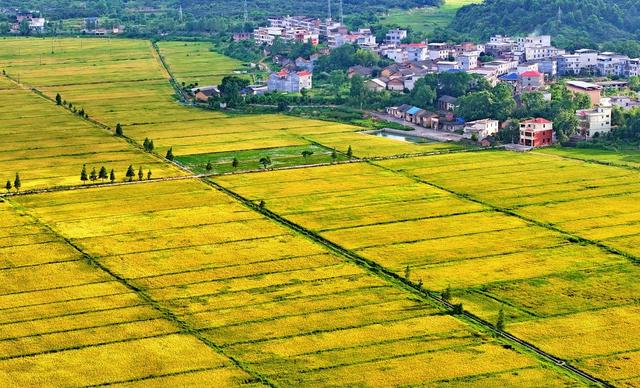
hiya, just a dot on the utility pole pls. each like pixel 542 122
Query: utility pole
pixel 329 8
pixel 341 14
pixel 180 12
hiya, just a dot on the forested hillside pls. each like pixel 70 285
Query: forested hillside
pixel 580 23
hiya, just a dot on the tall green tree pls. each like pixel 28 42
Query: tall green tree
pixel 130 173
pixel 17 183
pixel 119 131
pixel 422 95
pixel 169 155
pixel 103 173
pixel 140 173
pixel 83 174
pixel 112 176
pixel 93 176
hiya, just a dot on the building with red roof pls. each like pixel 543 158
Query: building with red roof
pixel 536 132
pixel 531 80
pixel 289 81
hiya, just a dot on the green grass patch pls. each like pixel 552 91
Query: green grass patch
pixel 221 162
pixel 426 19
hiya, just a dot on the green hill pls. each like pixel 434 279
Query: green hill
pixel 573 23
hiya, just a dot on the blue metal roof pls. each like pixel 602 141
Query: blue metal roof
pixel 509 77
pixel 414 110
pixel 455 71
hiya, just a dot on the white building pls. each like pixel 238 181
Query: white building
pixel 444 66
pixel 416 51
pixel 438 51
pixel 468 60
pixel 612 64
pixel 289 82
pixel 624 102
pixel 395 36
pixel 596 120
pixel 501 67
pixel 480 128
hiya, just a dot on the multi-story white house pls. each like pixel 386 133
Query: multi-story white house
pixel 416 51
pixel 395 36
pixel 633 68
pixel 468 60
pixel 480 128
pixel 592 121
pixel 612 64
pixel 289 82
pixel 438 51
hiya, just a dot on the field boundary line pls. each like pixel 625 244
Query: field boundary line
pixel 165 313
pixel 417 289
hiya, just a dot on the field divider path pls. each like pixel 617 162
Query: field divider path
pixel 184 98
pixel 416 289
pixel 182 325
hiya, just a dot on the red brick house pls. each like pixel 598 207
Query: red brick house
pixel 536 133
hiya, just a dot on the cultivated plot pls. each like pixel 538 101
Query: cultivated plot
pixel 66 322
pixel 47 145
pixel 490 259
pixel 282 305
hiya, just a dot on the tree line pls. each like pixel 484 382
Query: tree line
pixel 94 175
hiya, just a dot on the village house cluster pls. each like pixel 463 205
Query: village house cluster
pixel 33 20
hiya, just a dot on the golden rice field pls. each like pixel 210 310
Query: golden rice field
pixel 405 214
pixel 195 62
pixel 268 278
pixel 123 81
pixel 284 307
pixel 48 146
pixel 66 323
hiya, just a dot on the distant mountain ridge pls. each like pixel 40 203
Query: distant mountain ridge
pixel 581 23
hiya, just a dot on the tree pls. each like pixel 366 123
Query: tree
pixel 230 88
pixel 446 294
pixel 500 321
pixel 534 104
pixel 169 155
pixel 119 131
pixel 94 175
pixel 407 272
pixel 306 153
pixel 145 144
pixel 422 94
pixel 334 155
pixel 8 186
pixel 617 116
pixel 475 106
pixel 149 174
pixel 504 103
pixel 235 162
pixel 337 78
pixel 17 183
pixel 25 28
pixel 262 204
pixel 112 176
pixel 283 106
pixel 565 125
pixel 265 161
pixel 151 146
pixel 357 90
pixel 130 173
pixel 349 152
pixel 103 173
pixel 208 167
pixel 83 174
pixel 58 99
pixel 140 173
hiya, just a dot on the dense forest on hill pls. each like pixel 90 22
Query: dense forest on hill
pixel 573 23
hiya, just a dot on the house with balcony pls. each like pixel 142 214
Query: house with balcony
pixel 594 121
pixel 536 133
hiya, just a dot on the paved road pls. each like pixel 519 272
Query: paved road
pixel 418 130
